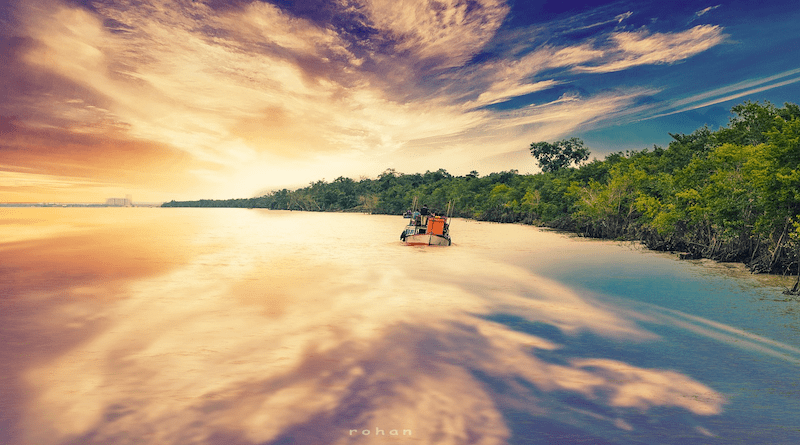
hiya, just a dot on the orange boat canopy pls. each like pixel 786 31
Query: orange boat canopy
pixel 436 225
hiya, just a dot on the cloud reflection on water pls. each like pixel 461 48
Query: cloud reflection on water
pixel 249 341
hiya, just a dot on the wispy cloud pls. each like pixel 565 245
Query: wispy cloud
pixel 618 19
pixel 447 32
pixel 570 111
pixel 701 13
pixel 629 49
pixel 705 11
pixel 724 94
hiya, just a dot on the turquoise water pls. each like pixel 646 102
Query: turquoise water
pixel 231 326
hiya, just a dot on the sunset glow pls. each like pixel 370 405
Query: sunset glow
pixel 180 99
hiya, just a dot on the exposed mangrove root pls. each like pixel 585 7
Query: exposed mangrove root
pixel 795 290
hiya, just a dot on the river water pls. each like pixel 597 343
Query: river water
pixel 234 326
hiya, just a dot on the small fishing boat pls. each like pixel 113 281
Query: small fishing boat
pixel 426 229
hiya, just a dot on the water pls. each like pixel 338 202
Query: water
pixel 232 326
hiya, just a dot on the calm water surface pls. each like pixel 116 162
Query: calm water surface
pixel 229 326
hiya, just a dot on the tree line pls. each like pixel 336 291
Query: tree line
pixel 731 195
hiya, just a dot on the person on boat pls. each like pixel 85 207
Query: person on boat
pixel 424 212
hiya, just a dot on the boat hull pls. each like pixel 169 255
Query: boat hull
pixel 425 239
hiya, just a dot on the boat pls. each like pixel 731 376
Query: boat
pixel 427 229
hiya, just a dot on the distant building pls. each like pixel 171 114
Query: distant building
pixel 120 202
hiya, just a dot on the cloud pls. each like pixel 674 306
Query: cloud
pixel 629 49
pixel 574 23
pixel 505 79
pixel 706 10
pixel 500 92
pixel 620 18
pixel 447 31
pixel 88 163
pixel 718 95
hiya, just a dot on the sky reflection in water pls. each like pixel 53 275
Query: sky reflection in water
pixel 154 326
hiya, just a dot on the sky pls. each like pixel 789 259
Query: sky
pixel 182 99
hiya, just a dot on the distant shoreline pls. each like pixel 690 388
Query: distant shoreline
pixel 72 204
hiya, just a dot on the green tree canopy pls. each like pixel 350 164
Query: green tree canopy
pixel 560 154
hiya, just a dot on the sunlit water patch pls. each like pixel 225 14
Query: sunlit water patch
pixel 156 326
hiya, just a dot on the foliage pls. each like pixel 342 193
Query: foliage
pixel 560 154
pixel 732 194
